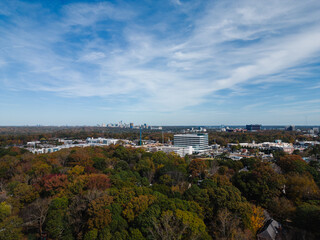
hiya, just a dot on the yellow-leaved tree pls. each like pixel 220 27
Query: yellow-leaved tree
pixel 256 219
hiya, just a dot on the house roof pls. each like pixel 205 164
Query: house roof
pixel 269 230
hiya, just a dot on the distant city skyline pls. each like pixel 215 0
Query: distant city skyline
pixel 173 62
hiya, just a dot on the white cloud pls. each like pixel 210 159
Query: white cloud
pixel 230 44
pixel 87 14
pixel 92 56
pixel 176 2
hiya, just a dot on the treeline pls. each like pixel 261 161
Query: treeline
pixel 223 138
pixel 12 136
pixel 125 193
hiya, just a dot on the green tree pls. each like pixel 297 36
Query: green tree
pixel 5 210
pixel 308 217
pixel 135 234
pixel 137 205
pixel 10 226
pixel 91 234
pixel 25 193
pixel 261 184
pixel 179 225
pixel 57 220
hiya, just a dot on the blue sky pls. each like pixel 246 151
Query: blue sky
pixel 173 62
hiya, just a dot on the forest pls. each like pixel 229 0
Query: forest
pixel 127 193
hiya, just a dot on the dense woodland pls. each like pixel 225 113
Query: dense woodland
pixel 124 193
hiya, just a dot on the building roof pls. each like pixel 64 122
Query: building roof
pixel 192 135
pixel 269 230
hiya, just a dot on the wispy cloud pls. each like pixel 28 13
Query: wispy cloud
pixel 111 51
pixel 315 86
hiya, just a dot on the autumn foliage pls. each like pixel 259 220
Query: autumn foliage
pixel 116 192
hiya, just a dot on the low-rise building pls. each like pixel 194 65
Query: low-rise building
pixel 106 141
pixel 181 151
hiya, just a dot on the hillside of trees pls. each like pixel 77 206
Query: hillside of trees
pixel 124 193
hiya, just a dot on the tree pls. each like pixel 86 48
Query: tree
pixel 98 181
pixel 76 171
pixel 292 163
pixel 79 156
pixel 308 217
pixel 8 166
pixel 135 234
pixel 301 187
pixel 5 210
pixel 281 209
pixel 227 226
pixel 25 193
pixel 99 163
pixel 40 169
pixel 77 214
pixel 55 183
pixel 145 220
pixel 10 228
pixel 137 205
pixel 57 221
pixel 197 168
pixel 91 234
pixel 179 225
pixel 196 227
pixel 122 165
pixel 146 168
pixel 261 184
pixel 105 234
pixel 168 227
pixel 35 214
pixel 255 219
pixel 160 158
pixel 99 214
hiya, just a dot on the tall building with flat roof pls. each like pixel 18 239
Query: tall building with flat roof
pixel 199 142
pixel 253 127
pixel 291 128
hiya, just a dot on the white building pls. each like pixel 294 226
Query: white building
pixel 277 145
pixel 90 142
pixel 99 140
pixel 199 142
pixel 181 151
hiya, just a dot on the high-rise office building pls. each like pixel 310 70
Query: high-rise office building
pixel 253 127
pixel 291 128
pixel 199 141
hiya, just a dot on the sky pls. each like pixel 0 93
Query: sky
pixel 168 62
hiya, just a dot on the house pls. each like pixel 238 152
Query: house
pixel 270 231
